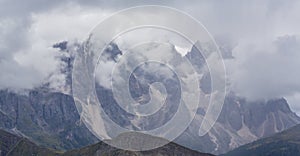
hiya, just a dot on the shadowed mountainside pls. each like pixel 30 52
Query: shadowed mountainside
pixel 13 145
pixel 286 143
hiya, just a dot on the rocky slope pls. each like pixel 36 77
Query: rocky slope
pixel 12 145
pixel 47 118
pixel 166 150
pixel 240 122
pixel 286 143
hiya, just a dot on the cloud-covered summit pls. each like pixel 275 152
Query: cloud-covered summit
pixel 263 35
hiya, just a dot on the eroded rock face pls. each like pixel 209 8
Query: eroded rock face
pixel 11 145
pixel 51 119
pixel 284 143
pixel 47 118
pixel 240 122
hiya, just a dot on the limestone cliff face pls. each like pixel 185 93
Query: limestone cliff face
pixel 240 122
pixel 285 143
pixel 47 118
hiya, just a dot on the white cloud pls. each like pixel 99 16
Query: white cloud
pixel 266 50
pixel 264 67
pixel 294 101
pixel 267 71
pixel 27 58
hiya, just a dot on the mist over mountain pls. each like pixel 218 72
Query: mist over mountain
pixel 51 119
pixel 259 45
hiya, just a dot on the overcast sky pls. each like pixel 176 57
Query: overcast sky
pixel 263 35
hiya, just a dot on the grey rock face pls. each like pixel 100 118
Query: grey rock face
pixel 240 122
pixel 47 118
pixel 51 119
pixel 284 143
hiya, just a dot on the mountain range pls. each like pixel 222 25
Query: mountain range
pixel 240 122
pixel 50 119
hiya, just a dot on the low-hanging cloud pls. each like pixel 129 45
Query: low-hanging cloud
pixel 268 70
pixel 264 37
pixel 27 56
